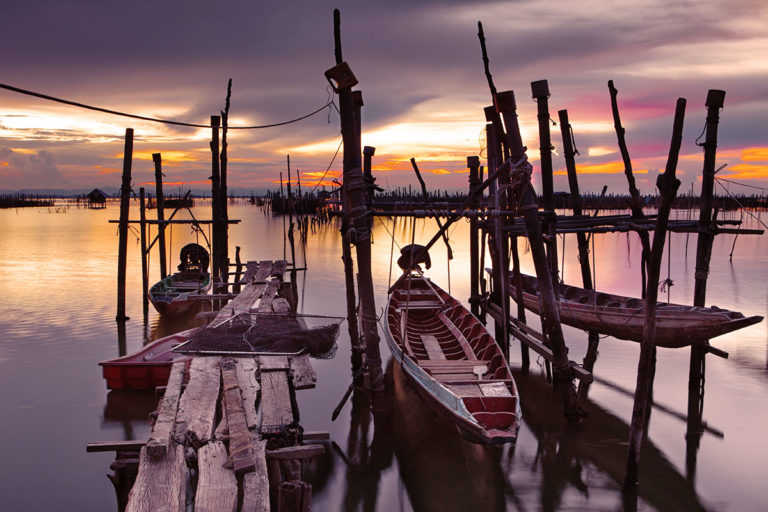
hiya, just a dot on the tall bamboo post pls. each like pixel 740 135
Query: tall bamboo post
pixel 143 237
pixel 160 200
pixel 550 314
pixel 370 181
pixel 290 213
pixel 223 206
pixel 635 202
pixel 667 184
pixel 473 163
pixel 540 92
pixel 122 250
pixel 593 339
pixel 215 200
pixel 342 79
pixel 715 101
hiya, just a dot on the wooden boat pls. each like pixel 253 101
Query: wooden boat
pixel 623 317
pixel 178 292
pixel 456 365
pixel 147 368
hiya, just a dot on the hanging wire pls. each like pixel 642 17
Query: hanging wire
pixel 155 120
pixel 329 167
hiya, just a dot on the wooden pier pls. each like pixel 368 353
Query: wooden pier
pixel 226 436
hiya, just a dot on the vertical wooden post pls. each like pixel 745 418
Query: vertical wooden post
pixel 144 275
pixel 473 162
pixel 667 184
pixel 635 203
pixel 215 202
pixel 715 101
pixel 122 250
pixel 354 185
pixel 238 270
pixel 157 159
pixel 290 213
pixel 593 339
pixel 223 206
pixel 540 92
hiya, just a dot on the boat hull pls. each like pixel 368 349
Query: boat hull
pixel 147 368
pixel 484 411
pixel 178 293
pixel 624 317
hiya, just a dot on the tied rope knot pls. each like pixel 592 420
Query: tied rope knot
pixel 666 285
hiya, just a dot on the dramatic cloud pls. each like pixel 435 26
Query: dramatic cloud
pixel 28 170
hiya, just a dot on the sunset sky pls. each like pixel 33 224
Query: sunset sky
pixel 420 71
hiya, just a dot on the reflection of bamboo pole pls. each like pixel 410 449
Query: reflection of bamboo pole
pixel 122 251
pixel 667 184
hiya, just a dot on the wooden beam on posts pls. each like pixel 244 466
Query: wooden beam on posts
pixel 143 236
pixel 122 249
pixel 342 80
pixel 667 184
pixel 593 339
pixel 715 101
pixel 160 199
pixel 635 202
pixel 473 163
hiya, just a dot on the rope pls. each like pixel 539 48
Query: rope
pixel 152 119
pixel 742 184
pixel 329 167
pixel 743 209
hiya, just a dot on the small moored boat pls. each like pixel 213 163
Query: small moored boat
pixel 147 368
pixel 177 293
pixel 623 317
pixel 456 365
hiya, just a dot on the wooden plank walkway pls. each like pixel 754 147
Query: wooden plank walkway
pixel 231 455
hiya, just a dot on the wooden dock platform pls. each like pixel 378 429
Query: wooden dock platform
pixel 226 434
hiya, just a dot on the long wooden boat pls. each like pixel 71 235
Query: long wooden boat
pixel 456 365
pixel 177 293
pixel 622 317
pixel 148 367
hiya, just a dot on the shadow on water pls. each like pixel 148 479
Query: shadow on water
pixel 570 455
pixel 130 409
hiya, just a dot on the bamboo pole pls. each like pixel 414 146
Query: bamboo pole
pixel 473 163
pixel 215 199
pixel 223 206
pixel 290 213
pixel 122 250
pixel 540 92
pixel 143 237
pixel 635 202
pixel 667 184
pixel 160 199
pixel 342 78
pixel 715 101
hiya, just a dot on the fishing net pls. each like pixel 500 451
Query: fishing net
pixel 254 333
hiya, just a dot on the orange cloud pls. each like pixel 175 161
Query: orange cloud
pixel 754 154
pixel 747 171
pixel 319 174
pixel 176 183
pixel 606 168
pixel 439 171
pixel 105 170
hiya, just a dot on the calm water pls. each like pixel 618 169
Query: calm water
pixel 58 292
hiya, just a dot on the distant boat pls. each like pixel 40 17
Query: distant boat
pixel 147 368
pixel 177 293
pixel 623 317
pixel 456 365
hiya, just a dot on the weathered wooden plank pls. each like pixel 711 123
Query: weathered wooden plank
pixel 459 336
pixel 249 387
pixel 432 346
pixel 281 305
pixel 216 485
pixel 494 389
pixel 279 267
pixel 265 304
pixel 273 363
pixel 160 437
pixel 302 373
pixel 256 483
pixel 276 410
pixel 161 483
pixel 197 407
pixel 115 446
pixel 239 437
pixel 243 302
pixel 264 271
pixel 305 451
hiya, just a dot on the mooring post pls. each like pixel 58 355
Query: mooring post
pixel 122 250
pixel 143 236
pixel 224 258
pixel 215 202
pixel 473 163
pixel 667 184
pixel 715 101
pixel 238 270
pixel 581 238
pixel 635 202
pixel 290 213
pixel 370 181
pixel 342 79
pixel 160 200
